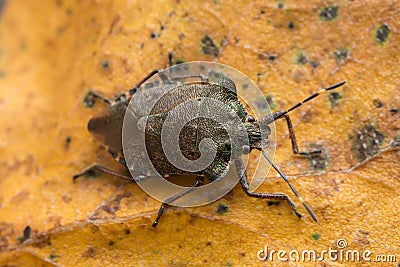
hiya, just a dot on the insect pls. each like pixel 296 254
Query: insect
pixel 107 127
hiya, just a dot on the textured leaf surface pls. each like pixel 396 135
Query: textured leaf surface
pixel 53 53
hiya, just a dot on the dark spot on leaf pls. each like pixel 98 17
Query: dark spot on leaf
pixel 153 35
pixel 334 98
pixel 208 46
pixel 396 141
pixel 314 64
pixel 178 61
pixel 222 208
pixel 89 100
pixel 341 55
pixel 329 13
pixel 291 25
pixel 315 236
pixel 52 256
pixel 319 161
pixel 394 111
pixel 382 33
pixel 26 235
pixel 2 6
pixel 270 101
pixel 366 142
pixel 67 142
pixel 127 231
pixel 105 64
pixel 208 243
pixel 181 36
pixel 377 103
pixel 110 243
pixel 69 11
pixel 270 57
pixel 301 59
pixel 281 5
pixel 61 29
pixel 261 104
pixel 272 203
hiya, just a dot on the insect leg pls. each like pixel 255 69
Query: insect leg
pixel 128 94
pixel 279 114
pixel 98 168
pixel 91 96
pixel 241 171
pixel 199 182
pixel 292 137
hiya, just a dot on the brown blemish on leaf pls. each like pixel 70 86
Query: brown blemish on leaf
pixel 20 197
pixel 89 253
pixel 55 220
pixel 6 231
pixel 112 206
pixel 29 163
pixel 66 198
pixel 41 241
pixel 67 142
pixel 94 228
pixel 361 238
pixel 377 103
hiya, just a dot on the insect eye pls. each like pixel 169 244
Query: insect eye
pixel 246 149
pixel 250 118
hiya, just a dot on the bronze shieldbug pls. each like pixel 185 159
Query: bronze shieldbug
pixel 154 105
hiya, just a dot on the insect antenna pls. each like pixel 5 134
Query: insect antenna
pixel 290 185
pixel 309 98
